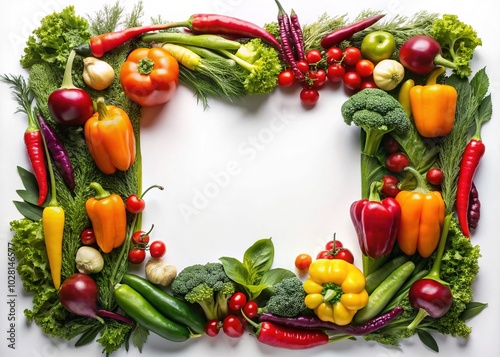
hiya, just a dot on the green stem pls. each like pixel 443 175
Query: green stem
pixel 422 314
pixel 435 272
pixel 67 81
pixel 421 185
pixel 100 191
pixel 242 63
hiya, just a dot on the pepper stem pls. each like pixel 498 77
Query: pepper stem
pixel 100 192
pixel 421 314
pixel 375 191
pixel 435 272
pixel 421 185
pixel 102 108
pixel 145 66
pixel 67 81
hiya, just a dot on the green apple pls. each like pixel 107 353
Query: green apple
pixel 377 46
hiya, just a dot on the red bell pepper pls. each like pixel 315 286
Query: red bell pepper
pixel 376 222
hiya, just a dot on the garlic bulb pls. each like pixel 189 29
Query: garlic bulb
pixel 97 73
pixel 159 272
pixel 89 260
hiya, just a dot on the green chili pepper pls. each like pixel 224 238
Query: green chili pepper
pixel 142 312
pixel 384 292
pixel 213 42
pixel 378 276
pixel 171 307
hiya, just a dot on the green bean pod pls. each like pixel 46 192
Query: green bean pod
pixel 381 296
pixel 213 42
pixel 169 306
pixel 378 276
pixel 142 312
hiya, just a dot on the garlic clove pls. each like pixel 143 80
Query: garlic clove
pixel 160 272
pixel 97 73
pixel 88 260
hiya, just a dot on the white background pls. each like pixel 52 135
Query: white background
pixel 290 173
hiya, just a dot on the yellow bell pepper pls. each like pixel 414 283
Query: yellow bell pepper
pixel 433 106
pixel 107 213
pixel 422 217
pixel 335 290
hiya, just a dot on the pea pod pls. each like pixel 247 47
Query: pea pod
pixel 171 307
pixel 142 312
pixel 381 296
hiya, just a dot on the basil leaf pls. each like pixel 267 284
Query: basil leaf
pixel 28 179
pixel 139 337
pixel 276 275
pixel 258 259
pixel 29 211
pixel 428 340
pixel 89 335
pixel 28 196
pixel 472 309
pixel 236 271
pixel 480 83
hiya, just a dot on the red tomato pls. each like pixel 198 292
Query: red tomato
pixel 391 145
pixel 313 56
pixel 334 55
pixel 318 78
pixel 396 162
pixel 325 254
pixel 303 261
pixel 140 237
pixel 344 254
pixel 368 84
pixel 309 97
pixel 330 245
pixel 303 66
pixel 136 255
pixel 365 68
pixel 335 72
pixel 237 301
pixel 212 328
pixel 251 309
pixel 435 176
pixel 352 55
pixel 352 80
pixel 134 204
pixel 232 326
pixel 157 249
pixel 390 186
pixel 87 236
pixel 286 78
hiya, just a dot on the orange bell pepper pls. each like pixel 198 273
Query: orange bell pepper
pixel 107 213
pixel 422 217
pixel 149 76
pixel 110 138
pixel 433 106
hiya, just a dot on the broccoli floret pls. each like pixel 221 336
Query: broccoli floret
pixel 377 113
pixel 208 285
pixel 458 41
pixel 287 299
pixel 262 64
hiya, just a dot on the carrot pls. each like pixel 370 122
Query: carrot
pixel 337 36
pixel 473 152
pixel 32 136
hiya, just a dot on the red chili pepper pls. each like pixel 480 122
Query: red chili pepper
pixel 33 140
pixel 473 152
pixel 376 222
pixel 337 36
pixel 290 338
pixel 100 44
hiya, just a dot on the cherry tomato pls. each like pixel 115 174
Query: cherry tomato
pixel 87 236
pixel 232 326
pixel 396 162
pixel 318 78
pixel 237 301
pixel 365 68
pixel 334 55
pixel 309 97
pixel 435 176
pixel 390 144
pixel 140 237
pixel 157 249
pixel 367 84
pixel 303 66
pixel 335 72
pixel 333 244
pixel 313 56
pixel 134 204
pixel 344 254
pixel 352 55
pixel 325 254
pixel 303 261
pixel 212 328
pixel 390 186
pixel 251 309
pixel 352 80
pixel 286 78
pixel 136 255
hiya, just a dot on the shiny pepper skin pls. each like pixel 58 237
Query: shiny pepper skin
pixel 335 290
pixel 107 213
pixel 422 218
pixel 110 138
